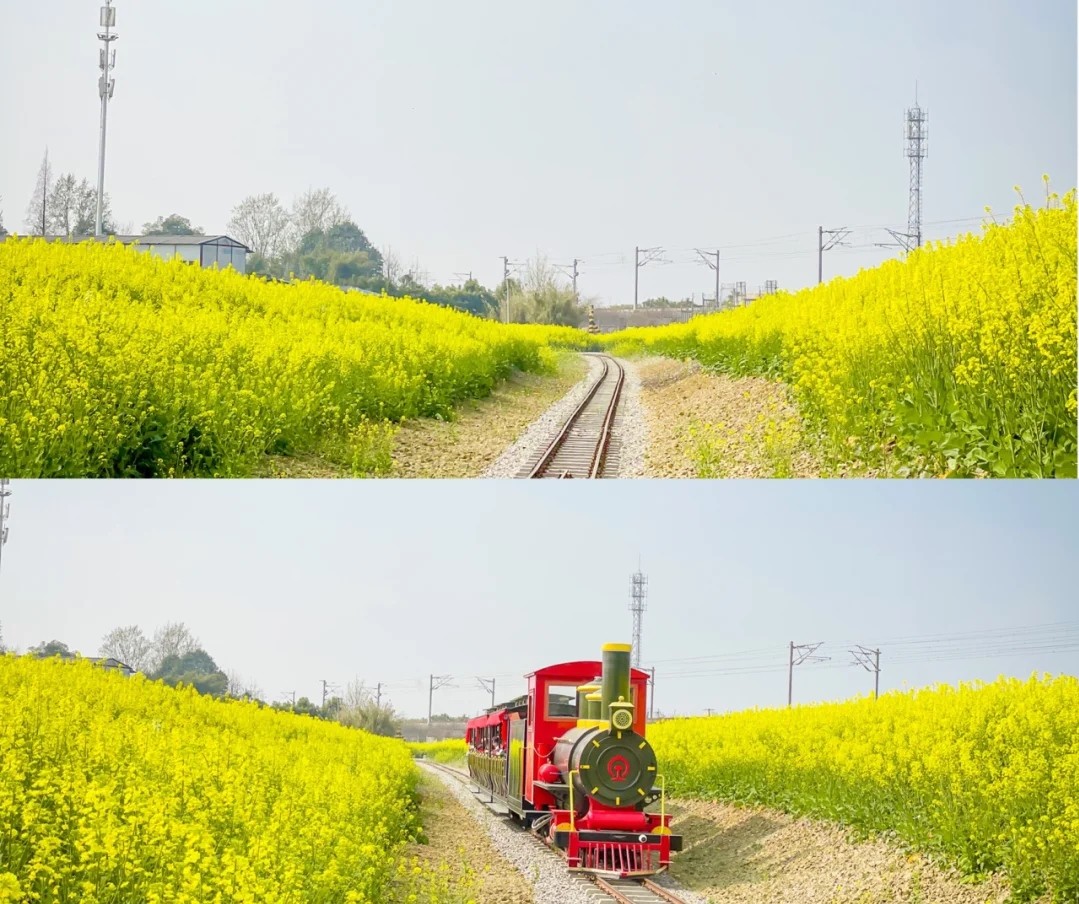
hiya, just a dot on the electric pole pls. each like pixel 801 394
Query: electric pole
pixel 805 654
pixel 291 696
pixel 650 254
pixel 870 661
pixel 836 238
pixel 706 257
pixel 105 86
pixel 638 591
pixel 378 695
pixel 488 684
pixel 326 687
pixel 652 694
pixel 506 283
pixel 432 687
pixel 506 265
pixel 571 271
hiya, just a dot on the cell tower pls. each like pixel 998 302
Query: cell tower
pixel 638 591
pixel 917 150
pixel 106 84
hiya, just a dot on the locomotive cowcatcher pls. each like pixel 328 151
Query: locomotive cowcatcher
pixel 570 760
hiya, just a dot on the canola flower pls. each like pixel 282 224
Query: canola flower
pixel 114 363
pixel 118 789
pixel 985 776
pixel 959 360
pixel 448 751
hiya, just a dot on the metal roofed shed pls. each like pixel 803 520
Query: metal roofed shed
pixel 204 250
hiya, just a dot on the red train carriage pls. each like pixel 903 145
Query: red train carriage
pixel 570 760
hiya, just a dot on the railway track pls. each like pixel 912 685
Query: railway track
pixel 622 891
pixel 582 447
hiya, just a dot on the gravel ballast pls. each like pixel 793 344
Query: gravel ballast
pixel 528 445
pixel 629 442
pixel 631 426
pixel 542 868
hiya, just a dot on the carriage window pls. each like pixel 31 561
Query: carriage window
pixel 561 701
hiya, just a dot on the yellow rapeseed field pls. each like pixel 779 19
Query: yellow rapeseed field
pixel 118 789
pixel 115 363
pixel 448 751
pixel 984 775
pixel 959 360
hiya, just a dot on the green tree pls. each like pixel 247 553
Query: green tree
pixel 173 224
pixel 306 708
pixel 340 254
pixel 52 648
pixel 196 669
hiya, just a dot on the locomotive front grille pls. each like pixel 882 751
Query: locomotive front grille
pixel 621 859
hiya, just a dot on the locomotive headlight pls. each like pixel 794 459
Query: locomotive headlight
pixel 621 715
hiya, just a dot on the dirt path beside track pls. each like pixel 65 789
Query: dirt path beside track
pixel 749 855
pixel 458 863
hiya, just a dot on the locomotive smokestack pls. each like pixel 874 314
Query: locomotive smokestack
pixel 616 666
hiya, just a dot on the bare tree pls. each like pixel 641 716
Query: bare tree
pixel 391 264
pixel 360 709
pixel 356 693
pixel 240 688
pixel 62 206
pixel 71 208
pixel 542 296
pixel 261 223
pixel 417 273
pixel 3 232
pixel 129 645
pixel 37 212
pixel 86 211
pixel 316 209
pixel 172 639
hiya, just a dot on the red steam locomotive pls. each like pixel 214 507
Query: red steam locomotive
pixel 570 761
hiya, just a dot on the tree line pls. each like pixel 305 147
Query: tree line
pixel 176 657
pixel 316 237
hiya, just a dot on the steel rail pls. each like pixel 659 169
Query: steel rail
pixel 654 892
pixel 608 422
pixel 597 458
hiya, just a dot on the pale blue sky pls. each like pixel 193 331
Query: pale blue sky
pixel 460 132
pixel 291 582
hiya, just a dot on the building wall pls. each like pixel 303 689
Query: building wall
pixel 205 255
pixel 224 256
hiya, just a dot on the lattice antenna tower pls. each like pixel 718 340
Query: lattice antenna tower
pixel 917 149
pixel 638 592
